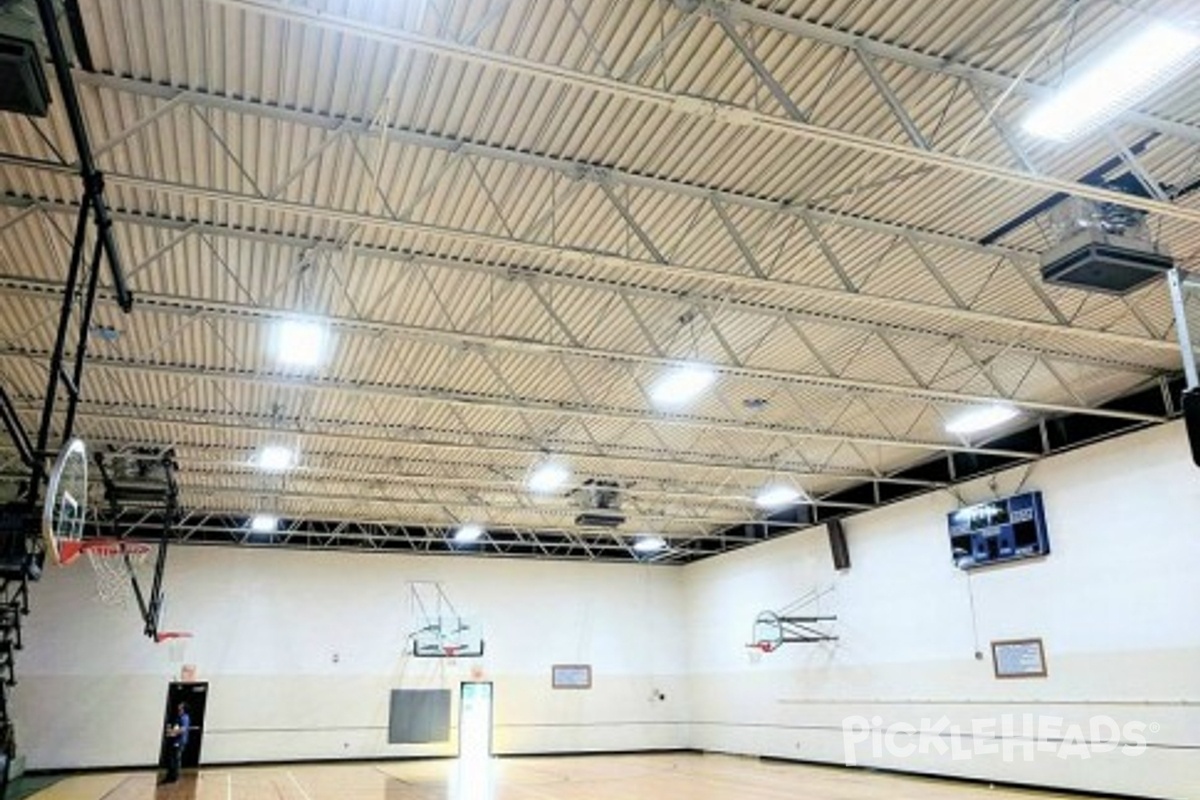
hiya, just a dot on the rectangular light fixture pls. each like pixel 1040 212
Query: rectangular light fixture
pixel 677 387
pixel 778 496
pixel 650 544
pixel 548 477
pixel 275 458
pixel 468 533
pixel 1113 84
pixel 264 523
pixel 981 419
pixel 300 343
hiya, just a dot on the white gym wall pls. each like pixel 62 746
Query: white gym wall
pixel 301 650
pixel 1115 603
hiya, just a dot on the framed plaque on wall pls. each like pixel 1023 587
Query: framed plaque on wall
pixel 1019 658
pixel 571 676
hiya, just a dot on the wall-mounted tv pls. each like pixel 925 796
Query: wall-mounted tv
pixel 999 531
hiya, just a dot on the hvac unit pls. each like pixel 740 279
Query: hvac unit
pixel 601 504
pixel 1102 247
pixel 23 87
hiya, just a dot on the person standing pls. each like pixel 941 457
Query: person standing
pixel 177 738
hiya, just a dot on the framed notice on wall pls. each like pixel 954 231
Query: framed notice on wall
pixel 1019 658
pixel 571 676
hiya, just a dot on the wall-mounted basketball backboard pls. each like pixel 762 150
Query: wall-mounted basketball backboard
pixel 440 630
pixel 66 503
pixel 803 621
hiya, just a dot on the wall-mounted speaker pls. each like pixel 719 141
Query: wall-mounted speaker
pixel 1191 415
pixel 837 544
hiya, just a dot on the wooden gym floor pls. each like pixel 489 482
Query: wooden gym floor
pixel 624 777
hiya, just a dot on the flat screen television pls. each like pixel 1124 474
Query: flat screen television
pixel 999 531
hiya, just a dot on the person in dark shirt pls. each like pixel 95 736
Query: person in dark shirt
pixel 177 738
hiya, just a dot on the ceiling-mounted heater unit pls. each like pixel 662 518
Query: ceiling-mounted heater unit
pixel 23 87
pixel 601 503
pixel 1102 247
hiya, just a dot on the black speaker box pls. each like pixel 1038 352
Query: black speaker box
pixel 837 544
pixel 1191 415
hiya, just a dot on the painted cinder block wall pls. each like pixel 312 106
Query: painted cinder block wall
pixel 1115 603
pixel 301 650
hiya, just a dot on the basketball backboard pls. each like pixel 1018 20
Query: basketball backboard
pixel 448 637
pixel 66 503
pixel 438 629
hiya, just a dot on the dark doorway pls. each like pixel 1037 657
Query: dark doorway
pixel 196 696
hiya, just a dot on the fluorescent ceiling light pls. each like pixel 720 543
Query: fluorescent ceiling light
pixel 681 385
pixel 300 343
pixel 650 544
pixel 468 533
pixel 548 477
pixel 264 523
pixel 777 496
pixel 981 419
pixel 275 458
pixel 1127 75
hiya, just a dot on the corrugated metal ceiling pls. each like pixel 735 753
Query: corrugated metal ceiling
pixel 515 214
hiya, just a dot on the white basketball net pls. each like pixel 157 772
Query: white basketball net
pixel 113 563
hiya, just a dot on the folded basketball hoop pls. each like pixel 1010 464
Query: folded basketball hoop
pixel 65 509
pixel 114 562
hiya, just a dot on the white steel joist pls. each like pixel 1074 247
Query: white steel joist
pixel 455 335
pixel 707 108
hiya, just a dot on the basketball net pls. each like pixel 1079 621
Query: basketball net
pixel 114 562
pixel 176 648
pixel 450 661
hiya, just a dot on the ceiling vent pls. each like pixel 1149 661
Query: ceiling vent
pixel 1102 247
pixel 23 87
pixel 601 504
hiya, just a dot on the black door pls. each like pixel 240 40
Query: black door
pixel 195 695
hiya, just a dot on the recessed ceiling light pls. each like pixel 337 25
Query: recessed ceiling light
pixel 264 523
pixel 275 458
pixel 650 544
pixel 777 496
pixel 548 477
pixel 981 419
pixel 1127 75
pixel 468 533
pixel 300 343
pixel 681 385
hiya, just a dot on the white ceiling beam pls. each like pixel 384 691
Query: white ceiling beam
pixel 608 177
pixel 531 406
pixel 230 463
pixel 706 108
pixel 319 435
pixel 929 62
pixel 865 305
pixel 456 340
pixel 570 168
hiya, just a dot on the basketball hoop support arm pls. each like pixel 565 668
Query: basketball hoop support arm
pixel 151 614
pixel 1175 281
pixel 16 431
pixel 149 603
pixel 92 203
pixel 800 630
